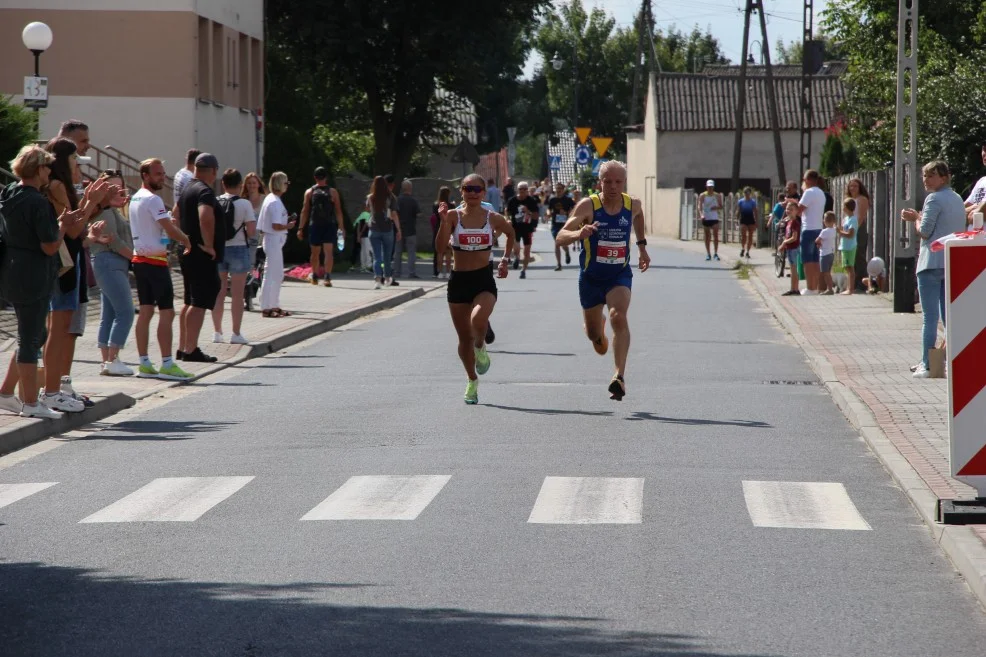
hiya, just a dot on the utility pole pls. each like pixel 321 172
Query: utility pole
pixel 905 155
pixel 741 99
pixel 775 125
pixel 806 74
pixel 638 64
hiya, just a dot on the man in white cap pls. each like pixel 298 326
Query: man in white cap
pixel 709 205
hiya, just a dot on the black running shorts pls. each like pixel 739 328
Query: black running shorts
pixel 525 233
pixel 465 286
pixel 154 286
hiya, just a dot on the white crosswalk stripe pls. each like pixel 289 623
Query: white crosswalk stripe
pixel 10 493
pixel 801 505
pixel 384 497
pixel 171 499
pixel 589 500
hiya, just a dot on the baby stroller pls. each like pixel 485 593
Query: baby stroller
pixel 254 277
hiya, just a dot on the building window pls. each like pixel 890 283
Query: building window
pixel 256 74
pixel 219 80
pixel 205 71
pixel 243 76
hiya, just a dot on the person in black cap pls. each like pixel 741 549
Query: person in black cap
pixel 198 214
pixel 323 209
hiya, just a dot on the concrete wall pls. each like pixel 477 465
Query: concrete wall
pixel 709 154
pixel 664 218
pixel 227 133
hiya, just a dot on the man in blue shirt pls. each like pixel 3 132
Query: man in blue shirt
pixel 493 194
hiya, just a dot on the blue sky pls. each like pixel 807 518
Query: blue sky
pixel 723 17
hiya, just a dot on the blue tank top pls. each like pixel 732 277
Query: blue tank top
pixel 606 253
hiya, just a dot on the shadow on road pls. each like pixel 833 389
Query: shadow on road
pixel 687 421
pixel 156 430
pixel 54 610
pixel 550 411
pixel 528 353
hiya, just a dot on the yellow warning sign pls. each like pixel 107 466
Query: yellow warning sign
pixel 583 134
pixel 601 145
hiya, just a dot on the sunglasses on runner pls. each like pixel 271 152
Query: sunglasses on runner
pixel 472 189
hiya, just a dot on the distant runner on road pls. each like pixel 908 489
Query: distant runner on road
pixel 523 211
pixel 710 203
pixel 559 207
pixel 603 224
pixel 471 287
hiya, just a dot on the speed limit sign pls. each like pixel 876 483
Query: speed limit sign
pixel 35 91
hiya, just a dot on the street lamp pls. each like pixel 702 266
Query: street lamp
pixel 37 38
pixel 750 57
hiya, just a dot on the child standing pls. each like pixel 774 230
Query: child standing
pixel 848 245
pixel 792 244
pixel 826 245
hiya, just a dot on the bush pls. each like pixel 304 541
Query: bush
pixel 16 130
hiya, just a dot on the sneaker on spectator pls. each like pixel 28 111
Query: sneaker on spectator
pixel 198 356
pixel 11 403
pixel 217 337
pixel 921 372
pixel 66 389
pixel 116 368
pixel 147 372
pixel 236 338
pixel 38 409
pixel 62 402
pixel 173 373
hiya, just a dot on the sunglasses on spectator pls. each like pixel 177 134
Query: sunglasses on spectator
pixel 112 173
pixel 472 189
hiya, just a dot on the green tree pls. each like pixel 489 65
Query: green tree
pixel 16 129
pixel 687 53
pixel 395 55
pixel 792 52
pixel 951 57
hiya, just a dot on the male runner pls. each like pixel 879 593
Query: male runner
pixel 522 210
pixel 559 207
pixel 710 202
pixel 603 223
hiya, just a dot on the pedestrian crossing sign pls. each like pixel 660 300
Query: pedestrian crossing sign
pixel 554 161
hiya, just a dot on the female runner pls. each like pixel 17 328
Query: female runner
pixel 470 231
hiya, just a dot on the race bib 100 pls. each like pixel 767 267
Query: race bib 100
pixel 611 253
pixel 477 241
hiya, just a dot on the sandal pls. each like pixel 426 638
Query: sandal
pixel 282 313
pixel 270 313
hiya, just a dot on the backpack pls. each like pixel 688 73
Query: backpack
pixel 228 208
pixel 322 205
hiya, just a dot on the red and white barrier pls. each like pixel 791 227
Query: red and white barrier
pixel 965 314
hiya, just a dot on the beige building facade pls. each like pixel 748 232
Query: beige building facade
pixel 152 78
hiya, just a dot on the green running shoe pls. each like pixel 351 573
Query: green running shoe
pixel 173 373
pixel 482 360
pixel 472 392
pixel 147 372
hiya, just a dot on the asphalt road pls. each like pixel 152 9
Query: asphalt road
pixel 340 499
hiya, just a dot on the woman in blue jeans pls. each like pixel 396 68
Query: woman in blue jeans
pixel 943 214
pixel 111 249
pixel 383 220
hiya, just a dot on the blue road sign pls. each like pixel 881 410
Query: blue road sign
pixel 596 163
pixel 554 161
pixel 582 155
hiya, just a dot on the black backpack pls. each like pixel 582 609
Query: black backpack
pixel 322 205
pixel 228 207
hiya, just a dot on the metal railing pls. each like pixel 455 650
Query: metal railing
pixel 6 177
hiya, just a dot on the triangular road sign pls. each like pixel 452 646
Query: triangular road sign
pixel 601 144
pixel 583 134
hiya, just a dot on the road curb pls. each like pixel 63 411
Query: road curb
pixel 966 551
pixel 39 430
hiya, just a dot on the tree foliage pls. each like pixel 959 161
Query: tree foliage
pixel 396 54
pixel 16 129
pixel 951 96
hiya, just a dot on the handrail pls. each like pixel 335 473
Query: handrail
pixel 7 177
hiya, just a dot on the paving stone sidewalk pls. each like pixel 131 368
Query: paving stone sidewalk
pixel 869 349
pixel 316 309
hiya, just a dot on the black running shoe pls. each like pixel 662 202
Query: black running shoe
pixel 617 388
pixel 490 335
pixel 179 355
pixel 198 356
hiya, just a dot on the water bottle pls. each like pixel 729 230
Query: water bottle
pixel 977 220
pixel 340 240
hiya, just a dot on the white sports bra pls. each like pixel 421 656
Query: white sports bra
pixel 472 239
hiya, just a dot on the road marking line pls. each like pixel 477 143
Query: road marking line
pixel 383 497
pixel 10 493
pixel 589 501
pixel 802 505
pixel 171 499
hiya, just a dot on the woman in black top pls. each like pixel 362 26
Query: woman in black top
pixel 31 237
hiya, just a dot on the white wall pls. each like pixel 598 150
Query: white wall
pixel 246 16
pixel 709 154
pixel 227 133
